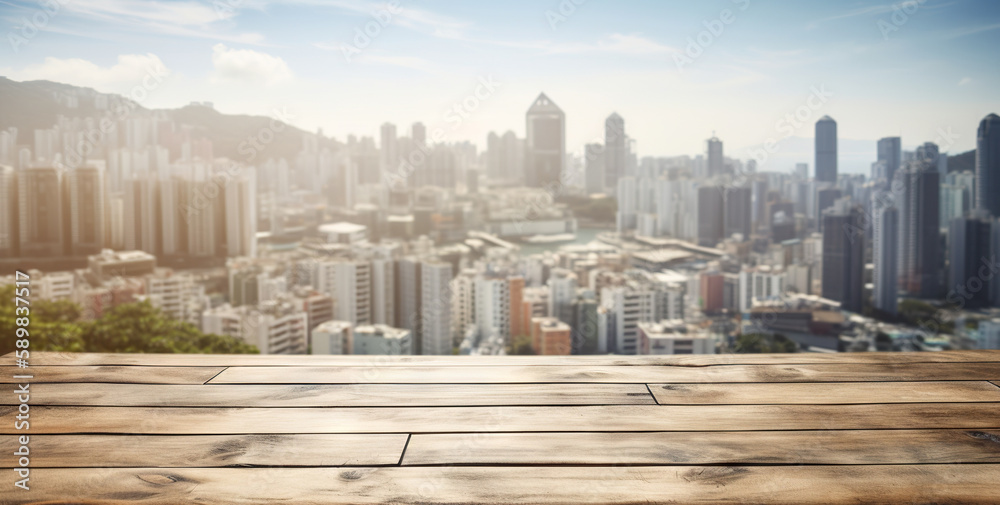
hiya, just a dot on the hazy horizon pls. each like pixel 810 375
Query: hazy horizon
pixel 914 79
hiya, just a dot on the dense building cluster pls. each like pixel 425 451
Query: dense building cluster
pixel 416 245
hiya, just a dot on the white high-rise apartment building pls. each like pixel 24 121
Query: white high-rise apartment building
pixel 349 283
pixel 277 327
pixel 492 307
pixel 435 277
pixel 241 214
pixel 86 210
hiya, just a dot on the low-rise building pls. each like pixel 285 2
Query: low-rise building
pixel 381 339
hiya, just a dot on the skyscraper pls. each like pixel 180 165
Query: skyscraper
pixel 86 210
pixel 716 164
pixel 919 227
pixel 886 258
pixel 890 152
pixel 142 212
pixel 436 308
pixel 40 216
pixel 241 215
pixel 562 294
pixel 738 204
pixel 615 150
pixel 388 156
pixel 969 248
pixel 844 255
pixel 627 203
pixel 988 165
pixel 711 212
pixel 545 144
pixel 825 197
pixel 826 150
pixel 594 179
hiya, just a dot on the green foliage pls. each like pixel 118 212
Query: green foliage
pixel 883 342
pixel 763 343
pixel 920 314
pixel 131 327
pixel 521 345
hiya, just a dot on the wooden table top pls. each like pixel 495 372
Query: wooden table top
pixel 853 428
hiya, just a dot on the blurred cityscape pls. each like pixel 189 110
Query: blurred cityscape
pixel 401 242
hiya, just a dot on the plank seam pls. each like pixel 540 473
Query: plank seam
pixel 405 445
pixel 651 394
pixel 994 383
pixel 216 375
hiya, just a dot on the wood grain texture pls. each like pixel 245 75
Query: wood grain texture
pixel 94 359
pixel 111 374
pixel 89 451
pixel 176 420
pixel 876 447
pixel 806 485
pixel 824 393
pixel 882 372
pixel 340 395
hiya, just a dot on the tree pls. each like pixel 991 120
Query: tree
pixel 521 345
pixel 132 327
pixel 140 327
pixel 763 343
pixel 883 342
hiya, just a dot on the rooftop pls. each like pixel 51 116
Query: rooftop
pixel 710 429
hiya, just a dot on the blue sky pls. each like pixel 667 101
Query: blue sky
pixel 934 69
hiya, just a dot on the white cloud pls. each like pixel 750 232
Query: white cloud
pixel 245 65
pixel 129 72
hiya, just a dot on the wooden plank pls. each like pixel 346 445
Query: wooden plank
pixel 340 395
pixel 177 420
pixel 804 485
pixel 873 447
pixel 824 393
pixel 93 359
pixel 115 374
pixel 75 451
pixel 610 374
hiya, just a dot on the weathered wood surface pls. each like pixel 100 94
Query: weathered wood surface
pixel 336 395
pixel 850 447
pixel 117 374
pixel 825 393
pixel 784 485
pixel 177 420
pixel 864 428
pixel 870 447
pixel 93 359
pixel 880 372
pixel 210 450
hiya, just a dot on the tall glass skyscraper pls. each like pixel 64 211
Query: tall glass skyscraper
pixel 826 150
pixel 546 143
pixel 988 165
